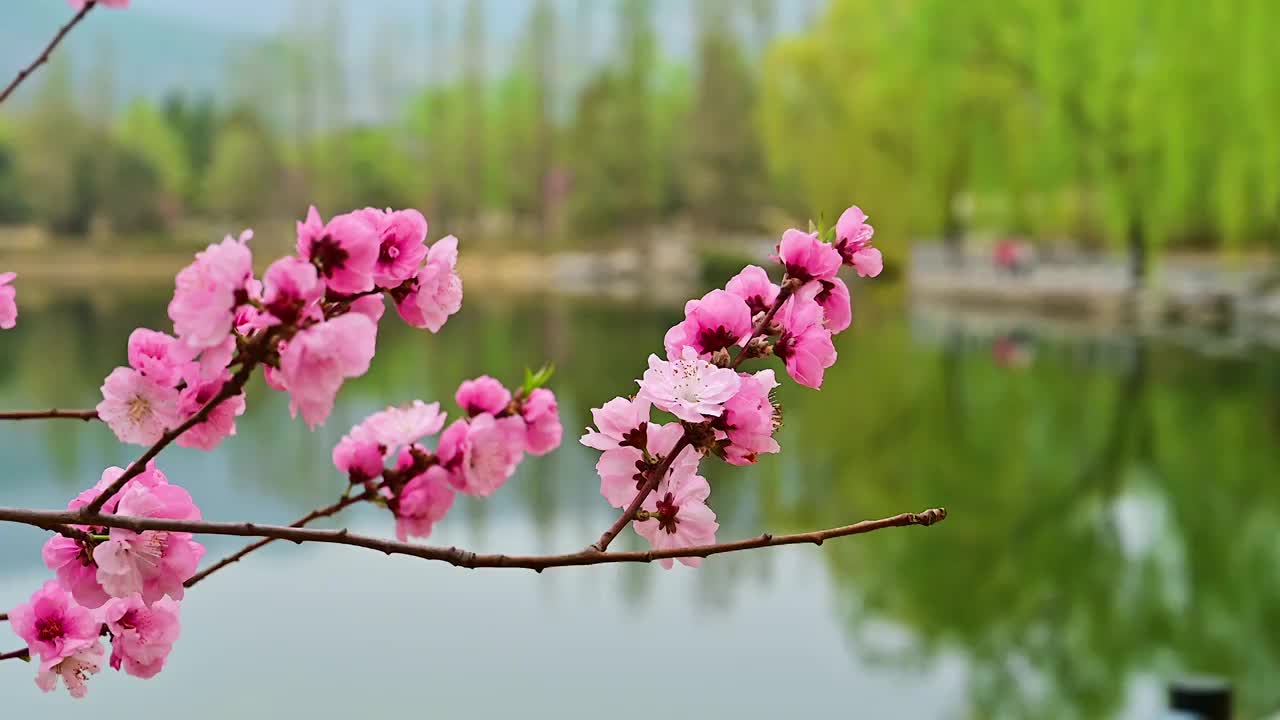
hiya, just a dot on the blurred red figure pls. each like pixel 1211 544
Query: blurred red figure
pixel 1011 256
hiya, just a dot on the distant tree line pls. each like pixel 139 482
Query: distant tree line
pixel 1144 124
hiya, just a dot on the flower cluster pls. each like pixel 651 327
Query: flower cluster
pixel 117 583
pixel 475 455
pixel 312 320
pixel 720 410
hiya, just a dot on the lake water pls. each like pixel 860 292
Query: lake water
pixel 1114 522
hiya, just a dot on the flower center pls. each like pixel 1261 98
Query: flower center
pixel 717 339
pixel 757 305
pixel 139 409
pixel 825 293
pixel 786 346
pixel 799 272
pixel 637 437
pixel 328 255
pixel 48 629
pixel 667 511
pixel 389 252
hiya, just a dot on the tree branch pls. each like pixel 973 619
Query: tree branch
pixel 22 654
pixel 230 389
pixel 333 509
pixel 453 555
pixel 53 414
pixel 652 483
pixel 25 72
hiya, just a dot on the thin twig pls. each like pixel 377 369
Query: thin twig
pixel 230 389
pixel 23 654
pixel 788 287
pixel 4 617
pixel 453 555
pixel 650 484
pixel 25 72
pixel 53 414
pixel 303 521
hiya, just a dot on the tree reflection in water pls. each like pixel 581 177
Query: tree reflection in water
pixel 1114 505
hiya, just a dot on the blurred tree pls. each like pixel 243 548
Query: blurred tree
pixel 724 180
pixel 245 172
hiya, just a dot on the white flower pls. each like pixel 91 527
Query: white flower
pixel 689 387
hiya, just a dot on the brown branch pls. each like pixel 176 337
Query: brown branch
pixel 53 414
pixel 453 555
pixel 333 509
pixel 25 72
pixel 22 654
pixel 789 286
pixel 230 389
pixel 649 486
pixel 4 617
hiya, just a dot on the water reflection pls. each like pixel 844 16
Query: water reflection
pixel 1113 520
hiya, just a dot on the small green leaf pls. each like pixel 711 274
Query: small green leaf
pixel 535 380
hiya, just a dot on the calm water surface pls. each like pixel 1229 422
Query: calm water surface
pixel 1114 522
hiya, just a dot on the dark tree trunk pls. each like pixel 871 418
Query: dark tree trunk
pixel 1137 254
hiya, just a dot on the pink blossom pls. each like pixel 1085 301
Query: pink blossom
pixel 718 321
pixel 486 456
pixel 750 418
pixel 316 361
pixel 402 236
pixel 690 388
pixel 75 670
pixel 853 242
pixel 150 477
pixel 623 469
pixel 221 421
pixel 291 291
pixel 482 395
pixel 435 292
pixel 754 286
pixel 542 429
pixel 837 308
pixel 208 290
pixel 396 427
pixel 213 360
pixel 78 5
pixel 805 344
pixel 154 563
pixel 137 409
pixel 8 306
pixel 344 250
pixel 682 517
pixel 371 306
pixel 622 422
pixel 53 625
pixel 360 459
pixel 159 356
pixel 72 560
pixel 806 257
pixel 423 502
pixel 142 636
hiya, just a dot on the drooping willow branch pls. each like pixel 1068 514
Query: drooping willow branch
pixel 53 519
pixel 26 72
